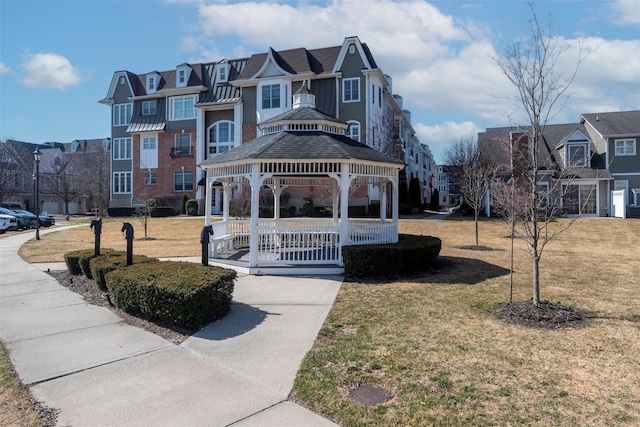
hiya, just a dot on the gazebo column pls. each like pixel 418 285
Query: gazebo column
pixel 394 207
pixel 227 187
pixel 254 182
pixel 383 201
pixel 335 201
pixel 277 191
pixel 345 182
pixel 207 203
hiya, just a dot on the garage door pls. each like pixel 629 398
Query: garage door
pixel 50 207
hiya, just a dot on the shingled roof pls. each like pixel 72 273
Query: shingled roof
pixel 307 145
pixel 622 123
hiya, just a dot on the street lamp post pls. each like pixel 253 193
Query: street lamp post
pixel 37 155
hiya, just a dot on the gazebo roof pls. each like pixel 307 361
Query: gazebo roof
pixel 299 145
pixel 305 114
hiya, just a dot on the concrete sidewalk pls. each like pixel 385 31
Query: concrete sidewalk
pixel 97 371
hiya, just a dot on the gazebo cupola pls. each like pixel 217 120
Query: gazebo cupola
pixel 302 147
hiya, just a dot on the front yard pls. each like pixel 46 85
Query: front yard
pixel 433 344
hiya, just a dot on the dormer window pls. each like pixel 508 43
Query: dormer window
pixel 152 82
pixel 183 72
pixel 223 73
pixel 576 155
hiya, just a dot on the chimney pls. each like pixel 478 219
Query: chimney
pixel 519 151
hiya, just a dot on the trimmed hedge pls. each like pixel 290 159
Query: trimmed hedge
pixel 78 261
pixel 192 207
pixel 101 265
pixel 162 211
pixel 121 211
pixel 410 255
pixel 185 294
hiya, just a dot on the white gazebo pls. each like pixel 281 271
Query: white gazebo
pixel 301 147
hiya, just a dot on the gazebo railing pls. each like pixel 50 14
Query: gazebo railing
pixel 304 240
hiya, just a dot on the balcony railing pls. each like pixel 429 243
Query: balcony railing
pixel 181 152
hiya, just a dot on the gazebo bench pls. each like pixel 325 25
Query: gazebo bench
pixel 223 243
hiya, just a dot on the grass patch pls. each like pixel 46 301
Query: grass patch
pixel 16 408
pixel 449 361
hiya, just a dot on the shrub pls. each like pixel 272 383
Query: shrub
pixel 183 204
pixel 405 209
pixel 162 211
pixel 184 294
pixel 121 211
pixel 192 207
pixel 72 259
pixel 357 211
pixel 306 206
pixel 101 265
pixel 410 255
pixel 78 261
pixel 374 209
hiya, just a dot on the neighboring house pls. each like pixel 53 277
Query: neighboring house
pixel 572 169
pixel 67 173
pixel 447 187
pixel 165 123
pixel 617 136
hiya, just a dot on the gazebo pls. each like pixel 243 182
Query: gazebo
pixel 301 147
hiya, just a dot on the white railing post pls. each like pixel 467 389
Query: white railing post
pixel 255 201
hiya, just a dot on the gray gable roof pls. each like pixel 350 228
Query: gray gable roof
pixel 150 123
pixel 614 123
pixel 307 145
pixel 295 61
pixel 496 142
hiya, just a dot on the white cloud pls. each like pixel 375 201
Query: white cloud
pixel 50 71
pixel 3 68
pixel 626 12
pixel 440 137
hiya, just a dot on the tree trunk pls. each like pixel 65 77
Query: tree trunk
pixel 476 219
pixel 536 278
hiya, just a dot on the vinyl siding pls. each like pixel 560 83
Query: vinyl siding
pixel 624 164
pixel 214 116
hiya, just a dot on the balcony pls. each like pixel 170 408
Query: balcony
pixel 181 152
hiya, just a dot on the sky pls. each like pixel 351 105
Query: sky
pixel 57 58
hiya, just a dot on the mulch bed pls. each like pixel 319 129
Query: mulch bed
pixel 546 315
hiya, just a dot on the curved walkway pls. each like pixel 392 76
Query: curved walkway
pixel 97 371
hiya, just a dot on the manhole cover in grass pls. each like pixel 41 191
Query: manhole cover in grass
pixel 370 395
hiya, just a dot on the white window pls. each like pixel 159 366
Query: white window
pixel 182 107
pixel 183 180
pixel 122 114
pixel 577 155
pixel 150 178
pixel 620 185
pixel 182 145
pixel 354 130
pixel 220 137
pixel 121 148
pixel 121 182
pixel 149 143
pixel 223 73
pixel 270 96
pixel 152 83
pixel 182 77
pixel 148 108
pixel 625 147
pixel 351 90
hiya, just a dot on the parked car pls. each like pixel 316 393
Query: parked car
pixel 8 222
pixel 24 221
pixel 45 220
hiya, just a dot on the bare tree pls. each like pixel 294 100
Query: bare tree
pixel 471 172
pixel 531 67
pixel 92 166
pixel 15 161
pixel 63 181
